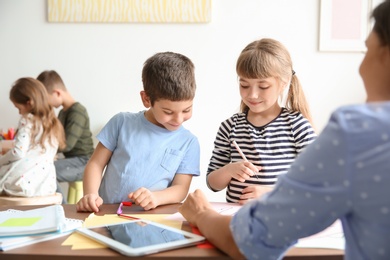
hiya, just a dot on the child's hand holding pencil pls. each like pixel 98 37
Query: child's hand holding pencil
pixel 254 172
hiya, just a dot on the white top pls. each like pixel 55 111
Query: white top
pixel 25 170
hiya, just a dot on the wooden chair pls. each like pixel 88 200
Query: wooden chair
pixel 43 200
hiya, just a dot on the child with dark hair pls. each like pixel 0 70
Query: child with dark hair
pixel 75 120
pixel 148 157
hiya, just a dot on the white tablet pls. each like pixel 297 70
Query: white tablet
pixel 141 237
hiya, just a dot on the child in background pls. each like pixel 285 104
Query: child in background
pixel 75 120
pixel 148 157
pixel 27 169
pixel 270 133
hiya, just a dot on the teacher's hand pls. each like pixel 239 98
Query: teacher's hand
pixel 194 206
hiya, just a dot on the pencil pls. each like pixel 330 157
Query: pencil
pixel 128 217
pixel 239 150
pixel 242 154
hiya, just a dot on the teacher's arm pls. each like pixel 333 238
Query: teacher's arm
pixel 214 226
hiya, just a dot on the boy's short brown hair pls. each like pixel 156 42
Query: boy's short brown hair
pixel 51 80
pixel 170 76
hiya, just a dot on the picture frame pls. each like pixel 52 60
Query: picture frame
pixel 129 11
pixel 344 25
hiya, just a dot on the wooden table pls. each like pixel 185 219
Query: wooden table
pixel 53 250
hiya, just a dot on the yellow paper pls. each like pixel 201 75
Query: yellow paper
pixel 78 241
pixel 93 220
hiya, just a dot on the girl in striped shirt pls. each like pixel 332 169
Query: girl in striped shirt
pixel 272 127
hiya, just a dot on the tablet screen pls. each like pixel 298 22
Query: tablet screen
pixel 139 234
pixel 141 237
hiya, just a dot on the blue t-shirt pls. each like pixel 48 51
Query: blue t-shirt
pixel 344 174
pixel 144 155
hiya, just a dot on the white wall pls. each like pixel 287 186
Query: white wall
pixel 101 63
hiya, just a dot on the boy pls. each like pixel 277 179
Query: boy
pixel 148 157
pixel 75 120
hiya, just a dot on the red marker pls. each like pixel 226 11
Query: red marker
pixel 119 211
pixel 124 203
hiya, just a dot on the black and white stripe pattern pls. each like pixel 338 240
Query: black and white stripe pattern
pixel 273 147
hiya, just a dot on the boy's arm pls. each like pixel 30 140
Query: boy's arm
pixel 173 194
pixel 92 178
pixel 178 190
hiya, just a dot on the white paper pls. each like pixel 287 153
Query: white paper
pixel 224 208
pixel 332 237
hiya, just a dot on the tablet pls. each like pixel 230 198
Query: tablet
pixel 140 237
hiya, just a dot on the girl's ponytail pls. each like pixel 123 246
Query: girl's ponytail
pixel 296 100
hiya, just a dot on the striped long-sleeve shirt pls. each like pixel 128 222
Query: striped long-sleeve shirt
pixel 273 147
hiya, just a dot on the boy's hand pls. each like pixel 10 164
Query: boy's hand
pixel 144 198
pixel 241 170
pixel 253 192
pixel 90 203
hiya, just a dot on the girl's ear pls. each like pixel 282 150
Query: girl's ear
pixel 145 99
pixel 30 104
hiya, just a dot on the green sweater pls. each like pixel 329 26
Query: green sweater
pixel 78 134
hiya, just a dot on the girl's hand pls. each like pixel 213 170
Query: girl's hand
pixel 242 170
pixel 253 192
pixel 90 203
pixel 144 198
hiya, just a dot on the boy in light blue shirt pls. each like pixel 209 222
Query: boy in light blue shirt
pixel 149 156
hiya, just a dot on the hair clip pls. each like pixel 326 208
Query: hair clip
pixel 293 72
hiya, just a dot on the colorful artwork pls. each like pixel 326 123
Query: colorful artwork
pixel 127 11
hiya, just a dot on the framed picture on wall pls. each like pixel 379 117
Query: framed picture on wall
pixel 344 25
pixel 129 11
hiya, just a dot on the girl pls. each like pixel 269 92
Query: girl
pixel 27 169
pixel 270 129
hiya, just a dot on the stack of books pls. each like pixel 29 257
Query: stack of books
pixel 19 228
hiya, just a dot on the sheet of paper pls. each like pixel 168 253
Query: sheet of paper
pixel 94 220
pixel 77 241
pixel 223 208
pixel 331 237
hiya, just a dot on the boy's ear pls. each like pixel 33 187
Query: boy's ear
pixel 56 92
pixel 145 99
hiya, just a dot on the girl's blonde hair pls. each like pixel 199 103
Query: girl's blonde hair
pixel 30 90
pixel 269 58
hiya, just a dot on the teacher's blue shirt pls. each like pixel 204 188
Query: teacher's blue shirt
pixel 344 174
